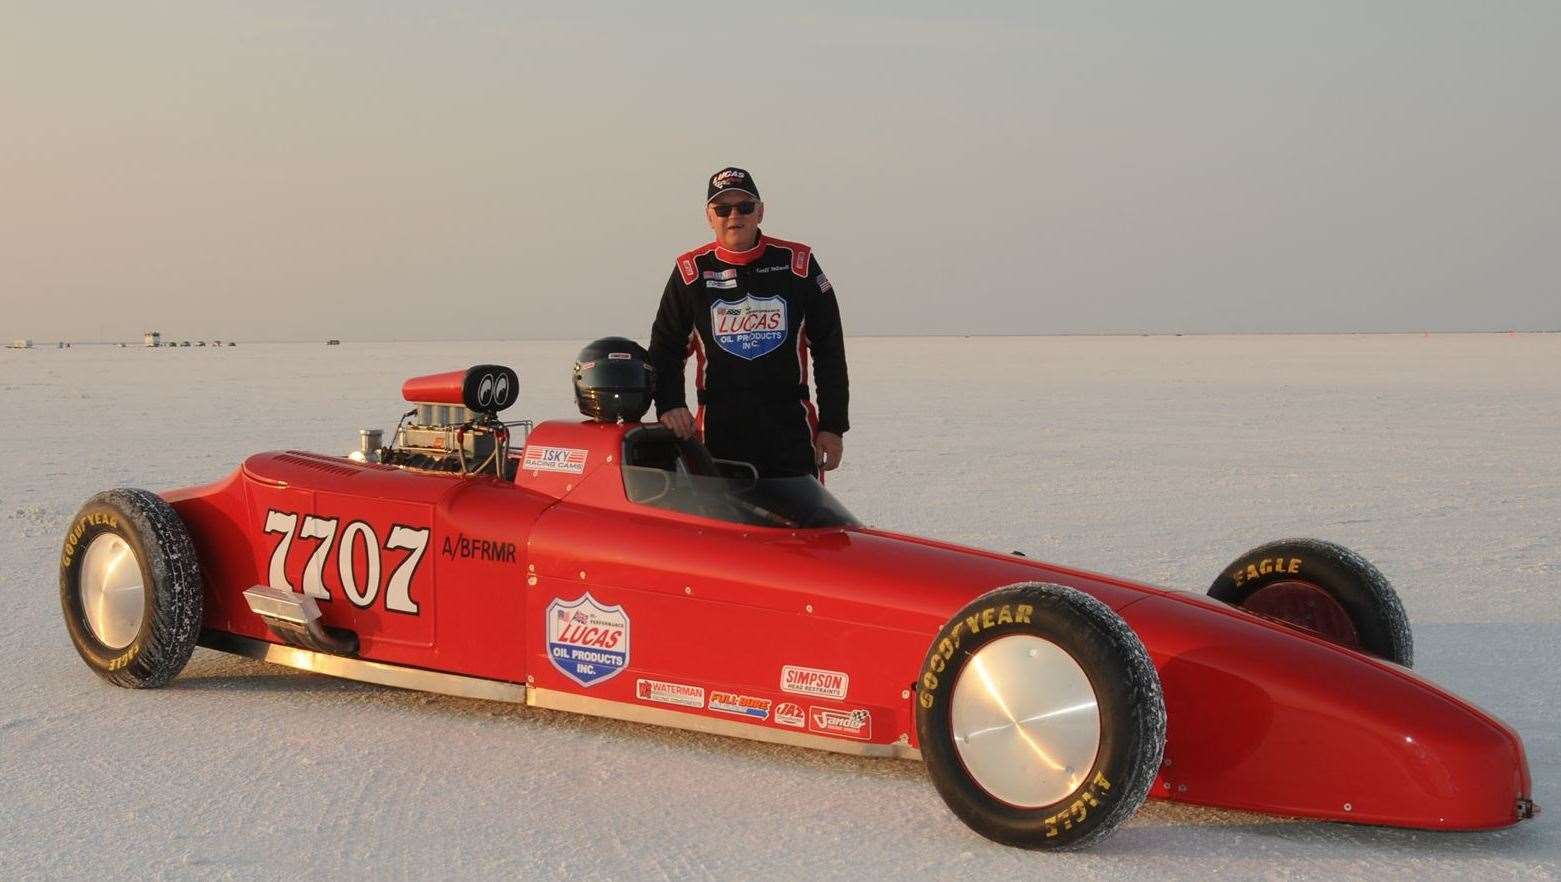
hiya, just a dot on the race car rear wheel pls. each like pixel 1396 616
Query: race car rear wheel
pixel 1323 588
pixel 1040 717
pixel 130 588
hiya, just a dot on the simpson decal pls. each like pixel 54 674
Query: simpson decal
pixel 812 681
pixel 587 642
pixel 789 713
pixel 742 705
pixel 749 328
pixel 669 693
pixel 856 723
pixel 554 459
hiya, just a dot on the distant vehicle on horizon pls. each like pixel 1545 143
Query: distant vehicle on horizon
pixel 332 342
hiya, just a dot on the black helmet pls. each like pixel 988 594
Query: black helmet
pixel 614 380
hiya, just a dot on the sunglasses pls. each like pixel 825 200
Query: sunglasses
pixel 744 207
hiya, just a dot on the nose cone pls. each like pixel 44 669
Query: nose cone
pixel 1264 718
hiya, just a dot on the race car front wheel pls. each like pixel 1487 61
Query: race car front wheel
pixel 1323 588
pixel 1040 717
pixel 130 588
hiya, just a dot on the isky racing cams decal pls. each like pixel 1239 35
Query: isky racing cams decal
pixel 570 460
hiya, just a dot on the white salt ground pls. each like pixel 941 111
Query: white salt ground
pixel 1156 458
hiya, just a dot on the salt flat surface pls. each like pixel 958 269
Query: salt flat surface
pixel 1155 458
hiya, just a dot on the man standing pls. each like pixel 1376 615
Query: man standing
pixel 751 309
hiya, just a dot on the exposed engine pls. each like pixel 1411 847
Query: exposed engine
pixel 453 425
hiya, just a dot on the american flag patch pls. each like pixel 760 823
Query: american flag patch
pixel 823 284
pixel 554 459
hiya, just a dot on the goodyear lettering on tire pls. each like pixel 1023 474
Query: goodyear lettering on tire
pixel 981 620
pixel 73 538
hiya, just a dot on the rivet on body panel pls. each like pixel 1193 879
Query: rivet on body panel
pixel 531 580
pixel 687 589
pixel 810 607
pixel 582 575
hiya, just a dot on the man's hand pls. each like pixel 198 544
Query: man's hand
pixel 680 421
pixel 827 449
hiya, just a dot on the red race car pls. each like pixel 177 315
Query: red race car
pixel 607 567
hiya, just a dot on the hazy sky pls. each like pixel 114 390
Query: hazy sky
pixel 385 169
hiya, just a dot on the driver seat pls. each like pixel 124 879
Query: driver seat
pixel 655 446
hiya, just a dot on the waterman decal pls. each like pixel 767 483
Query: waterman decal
pixel 481 549
pixel 812 681
pixel 856 723
pixel 587 642
pixel 669 693
pixel 554 459
pixel 749 328
pixel 362 589
pixel 789 713
pixel 742 705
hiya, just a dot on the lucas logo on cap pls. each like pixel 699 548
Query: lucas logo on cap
pixel 727 177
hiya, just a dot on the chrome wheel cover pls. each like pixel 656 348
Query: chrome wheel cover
pixel 113 595
pixel 1026 722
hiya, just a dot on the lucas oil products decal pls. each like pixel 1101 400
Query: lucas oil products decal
pixel 587 642
pixel 749 328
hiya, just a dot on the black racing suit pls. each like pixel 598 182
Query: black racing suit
pixel 750 319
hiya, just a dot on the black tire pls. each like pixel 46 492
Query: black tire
pixel 170 581
pixel 1302 576
pixel 1127 695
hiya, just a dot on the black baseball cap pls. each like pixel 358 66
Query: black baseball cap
pixel 731 178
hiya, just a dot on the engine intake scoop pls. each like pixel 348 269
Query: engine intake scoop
pixel 483 388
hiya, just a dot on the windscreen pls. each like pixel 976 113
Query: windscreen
pixel 792 503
